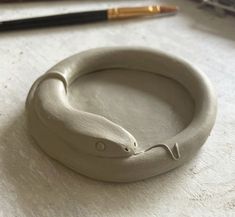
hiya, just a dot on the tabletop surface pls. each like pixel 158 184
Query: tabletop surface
pixel 31 184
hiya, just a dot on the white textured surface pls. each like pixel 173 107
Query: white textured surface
pixel 31 184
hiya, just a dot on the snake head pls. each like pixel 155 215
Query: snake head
pixel 107 148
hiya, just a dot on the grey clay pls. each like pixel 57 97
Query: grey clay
pixel 97 147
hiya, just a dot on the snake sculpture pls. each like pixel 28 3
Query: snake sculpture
pixel 99 148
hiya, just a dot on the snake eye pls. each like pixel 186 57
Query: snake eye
pixel 126 149
pixel 100 146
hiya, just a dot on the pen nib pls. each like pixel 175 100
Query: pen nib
pixel 168 9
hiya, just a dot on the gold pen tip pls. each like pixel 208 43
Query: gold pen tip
pixel 120 13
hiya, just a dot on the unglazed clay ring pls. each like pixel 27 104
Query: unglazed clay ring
pixel 96 146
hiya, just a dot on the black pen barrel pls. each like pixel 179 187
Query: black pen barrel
pixel 55 20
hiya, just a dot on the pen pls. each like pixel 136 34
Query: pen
pixel 85 17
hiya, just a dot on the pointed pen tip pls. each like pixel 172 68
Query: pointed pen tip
pixel 169 9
